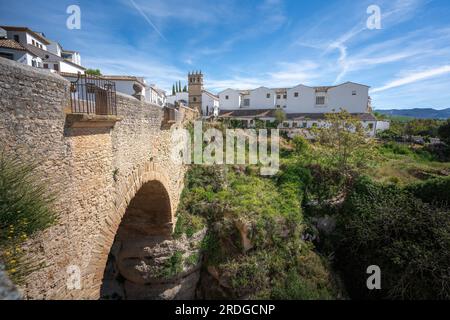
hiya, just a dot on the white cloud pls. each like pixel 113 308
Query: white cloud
pixel 414 77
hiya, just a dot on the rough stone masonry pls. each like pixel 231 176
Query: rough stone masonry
pixel 96 167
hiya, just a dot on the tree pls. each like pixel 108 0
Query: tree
pixel 173 89
pixel 94 72
pixel 185 89
pixel 280 116
pixel 444 132
pixel 179 86
pixel 343 144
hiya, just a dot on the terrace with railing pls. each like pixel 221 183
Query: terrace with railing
pixel 93 95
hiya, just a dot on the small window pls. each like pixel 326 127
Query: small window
pixel 286 124
pixel 16 37
pixel 246 102
pixel 45 66
pixel 278 96
pixel 33 42
pixel 56 67
pixel 278 106
pixel 305 124
pixel 371 126
pixel 296 94
pixel 284 107
pixel 320 100
pixel 227 97
pixel 284 96
pixel 314 125
pixel 268 95
pixel 354 93
pixel 33 63
pixel 194 99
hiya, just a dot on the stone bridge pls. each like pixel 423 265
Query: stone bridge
pixel 113 176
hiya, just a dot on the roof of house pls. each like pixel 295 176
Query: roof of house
pixel 11 44
pixel 321 116
pixel 125 78
pixel 270 113
pixel 211 94
pixel 25 29
pixel 48 56
pixel 260 113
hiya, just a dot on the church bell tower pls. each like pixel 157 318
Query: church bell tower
pixel 195 89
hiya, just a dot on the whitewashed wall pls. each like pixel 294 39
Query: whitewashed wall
pixel 233 102
pixel 259 100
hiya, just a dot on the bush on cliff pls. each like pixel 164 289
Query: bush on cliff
pixel 408 239
pixel 25 208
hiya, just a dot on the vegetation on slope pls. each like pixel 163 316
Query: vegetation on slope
pixel 25 208
pixel 338 205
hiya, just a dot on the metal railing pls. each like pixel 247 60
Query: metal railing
pixel 93 95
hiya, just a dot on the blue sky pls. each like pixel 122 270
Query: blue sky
pixel 248 43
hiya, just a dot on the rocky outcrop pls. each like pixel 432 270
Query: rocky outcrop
pixel 154 268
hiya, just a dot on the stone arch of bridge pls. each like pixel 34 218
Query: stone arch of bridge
pixel 143 209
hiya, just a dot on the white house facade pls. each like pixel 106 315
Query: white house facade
pixel 350 96
pixel 305 107
pixel 34 49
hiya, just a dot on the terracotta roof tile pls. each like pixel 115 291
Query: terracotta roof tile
pixel 11 44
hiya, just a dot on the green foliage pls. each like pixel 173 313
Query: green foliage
pixel 409 240
pixel 343 145
pixel 296 287
pixel 25 208
pixel 188 224
pixel 432 190
pixel 271 211
pixel 172 266
pixel 94 72
pixel 280 116
pixel 444 132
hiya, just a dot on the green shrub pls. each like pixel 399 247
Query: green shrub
pixel 25 208
pixel 409 240
pixel 432 190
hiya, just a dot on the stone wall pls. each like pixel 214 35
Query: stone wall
pixel 95 167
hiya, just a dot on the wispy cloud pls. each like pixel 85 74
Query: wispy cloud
pixel 138 8
pixel 414 77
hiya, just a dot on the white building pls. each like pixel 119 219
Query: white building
pixel 155 95
pixel 351 96
pixel 182 97
pixel 33 48
pixel 304 106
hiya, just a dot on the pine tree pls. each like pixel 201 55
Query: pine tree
pixel 185 89
pixel 179 85
pixel 173 89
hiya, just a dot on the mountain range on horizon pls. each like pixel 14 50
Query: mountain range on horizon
pixel 419 113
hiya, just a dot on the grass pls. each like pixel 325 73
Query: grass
pixel 402 165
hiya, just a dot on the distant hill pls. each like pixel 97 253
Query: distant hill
pixel 427 113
